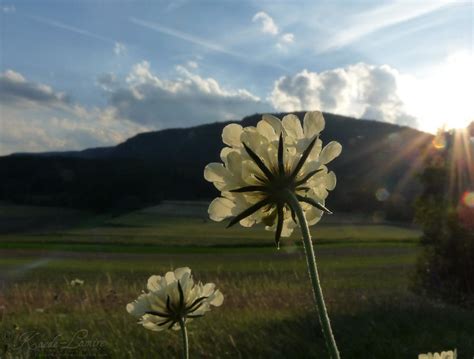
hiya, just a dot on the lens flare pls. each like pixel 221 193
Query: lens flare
pixel 382 194
pixel 468 199
pixel 439 142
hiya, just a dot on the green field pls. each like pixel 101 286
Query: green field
pixel 366 272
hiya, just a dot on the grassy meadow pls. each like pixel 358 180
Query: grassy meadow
pixel 366 268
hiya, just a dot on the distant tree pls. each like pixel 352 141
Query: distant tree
pixel 445 268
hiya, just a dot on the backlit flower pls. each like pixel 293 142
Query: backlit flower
pixel 261 164
pixel 173 298
pixel 443 355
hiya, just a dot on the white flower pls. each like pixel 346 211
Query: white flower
pixel 174 298
pixel 76 282
pixel 443 355
pixel 263 163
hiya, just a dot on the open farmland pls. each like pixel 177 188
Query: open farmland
pixel 366 269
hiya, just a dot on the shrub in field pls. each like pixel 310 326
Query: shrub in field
pixel 446 267
pixel 446 213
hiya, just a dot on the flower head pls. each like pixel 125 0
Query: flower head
pixel 443 355
pixel 172 299
pixel 264 163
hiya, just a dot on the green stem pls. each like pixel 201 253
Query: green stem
pixel 184 333
pixel 314 276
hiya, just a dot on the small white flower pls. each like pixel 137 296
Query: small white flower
pixel 263 163
pixel 173 298
pixel 443 355
pixel 76 282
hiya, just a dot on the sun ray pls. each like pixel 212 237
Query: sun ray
pixel 461 176
pixel 413 169
pixel 418 143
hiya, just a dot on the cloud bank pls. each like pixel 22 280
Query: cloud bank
pixel 360 90
pixel 186 100
pixel 15 89
pixel 35 117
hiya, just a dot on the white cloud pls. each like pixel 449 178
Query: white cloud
pixel 119 48
pixel 189 99
pixel 359 90
pixel 35 117
pixel 14 88
pixel 267 25
pixel 285 40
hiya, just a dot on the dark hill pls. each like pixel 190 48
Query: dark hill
pixel 169 164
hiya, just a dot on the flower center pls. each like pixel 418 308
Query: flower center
pixel 278 187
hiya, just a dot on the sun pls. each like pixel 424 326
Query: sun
pixel 442 96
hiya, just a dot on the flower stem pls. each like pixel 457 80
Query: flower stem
pixel 184 333
pixel 314 276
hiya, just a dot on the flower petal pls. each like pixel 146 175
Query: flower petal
pixel 152 326
pixel 138 307
pixel 234 164
pixel 170 278
pixel 313 215
pixel 250 171
pixel 215 172
pixel 218 299
pixel 224 153
pixel 274 122
pixel 220 208
pixel 292 126
pixel 288 227
pixel 266 130
pixel 179 272
pixel 313 123
pixel 231 135
pixel 330 152
pixel 329 181
pixel 208 289
pixel 154 283
pixel 252 138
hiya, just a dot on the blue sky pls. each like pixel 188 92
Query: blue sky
pixel 87 73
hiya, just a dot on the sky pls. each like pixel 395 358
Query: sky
pixel 83 73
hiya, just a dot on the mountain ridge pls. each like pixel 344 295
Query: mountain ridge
pixel 105 151
pixel 168 164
